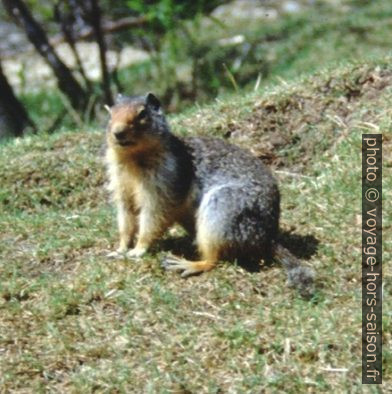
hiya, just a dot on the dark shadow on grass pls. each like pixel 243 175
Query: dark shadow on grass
pixel 301 246
pixel 179 246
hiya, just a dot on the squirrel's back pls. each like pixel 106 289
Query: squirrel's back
pixel 236 192
pixel 216 161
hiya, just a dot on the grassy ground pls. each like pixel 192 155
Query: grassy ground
pixel 73 321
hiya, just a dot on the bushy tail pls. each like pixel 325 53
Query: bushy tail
pixel 298 276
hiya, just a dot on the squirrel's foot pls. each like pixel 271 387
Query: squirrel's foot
pixel 116 254
pixel 173 263
pixel 136 252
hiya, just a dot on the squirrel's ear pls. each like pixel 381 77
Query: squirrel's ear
pixel 152 101
pixel 119 97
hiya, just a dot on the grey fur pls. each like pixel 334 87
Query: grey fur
pixel 237 194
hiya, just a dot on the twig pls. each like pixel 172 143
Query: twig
pixel 329 369
pixel 205 314
pixel 107 27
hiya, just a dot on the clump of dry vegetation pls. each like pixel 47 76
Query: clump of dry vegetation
pixel 73 321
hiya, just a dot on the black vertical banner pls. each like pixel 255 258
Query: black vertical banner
pixel 372 258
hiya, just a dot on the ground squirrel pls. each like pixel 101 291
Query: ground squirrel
pixel 221 194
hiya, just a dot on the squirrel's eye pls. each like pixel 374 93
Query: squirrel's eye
pixel 142 114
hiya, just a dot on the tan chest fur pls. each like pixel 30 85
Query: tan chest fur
pixel 134 186
pixel 125 182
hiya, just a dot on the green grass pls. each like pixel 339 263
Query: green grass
pixel 72 320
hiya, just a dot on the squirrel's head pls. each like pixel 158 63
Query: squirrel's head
pixel 135 122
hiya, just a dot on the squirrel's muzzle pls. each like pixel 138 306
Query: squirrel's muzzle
pixel 121 133
pixel 119 130
pixel 120 136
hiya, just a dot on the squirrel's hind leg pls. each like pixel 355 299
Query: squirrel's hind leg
pixel 209 248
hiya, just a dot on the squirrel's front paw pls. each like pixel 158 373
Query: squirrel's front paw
pixel 136 252
pixel 117 254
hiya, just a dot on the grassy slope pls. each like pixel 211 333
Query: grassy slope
pixel 71 320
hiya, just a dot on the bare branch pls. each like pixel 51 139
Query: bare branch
pixel 94 13
pixel 66 81
pixel 69 36
pixel 107 27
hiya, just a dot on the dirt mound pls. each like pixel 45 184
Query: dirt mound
pixel 292 128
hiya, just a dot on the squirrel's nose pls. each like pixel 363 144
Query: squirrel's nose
pixel 119 131
pixel 120 136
